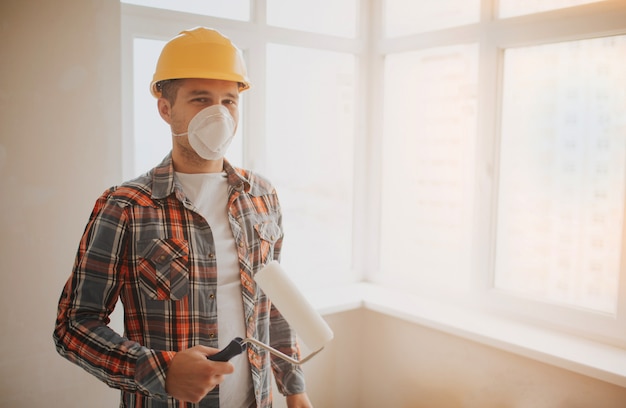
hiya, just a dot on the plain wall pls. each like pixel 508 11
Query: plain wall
pixel 60 123
pixel 60 147
pixel 380 361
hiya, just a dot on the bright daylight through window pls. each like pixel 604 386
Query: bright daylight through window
pixel 511 8
pixel 463 150
pixel 430 132
pixel 310 144
pixel 562 172
pixel 523 203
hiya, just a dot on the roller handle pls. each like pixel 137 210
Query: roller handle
pixel 234 348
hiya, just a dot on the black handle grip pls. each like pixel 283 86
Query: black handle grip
pixel 234 348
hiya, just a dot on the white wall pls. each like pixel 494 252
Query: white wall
pixel 60 124
pixel 59 149
pixel 380 361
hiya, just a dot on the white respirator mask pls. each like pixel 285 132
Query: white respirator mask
pixel 210 132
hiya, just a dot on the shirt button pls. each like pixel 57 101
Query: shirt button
pixel 212 296
pixel 162 258
pixel 211 256
pixel 240 244
pixel 211 335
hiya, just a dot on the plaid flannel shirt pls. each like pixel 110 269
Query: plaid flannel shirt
pixel 146 244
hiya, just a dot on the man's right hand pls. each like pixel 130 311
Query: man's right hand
pixel 191 376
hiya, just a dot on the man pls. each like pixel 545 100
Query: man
pixel 180 246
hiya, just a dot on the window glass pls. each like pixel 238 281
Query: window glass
pixel 332 17
pixel 151 134
pixel 562 172
pixel 511 8
pixel 232 9
pixel 310 148
pixel 405 17
pixel 428 143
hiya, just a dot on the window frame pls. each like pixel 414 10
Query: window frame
pixel 370 47
pixel 494 35
pixel 592 20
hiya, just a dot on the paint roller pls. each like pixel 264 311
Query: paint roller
pixel 303 319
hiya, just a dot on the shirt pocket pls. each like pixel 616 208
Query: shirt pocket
pixel 269 233
pixel 163 268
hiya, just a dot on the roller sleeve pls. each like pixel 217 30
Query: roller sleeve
pixel 299 313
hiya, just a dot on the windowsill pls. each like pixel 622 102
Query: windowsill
pixel 593 359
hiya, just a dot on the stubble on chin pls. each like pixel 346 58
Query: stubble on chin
pixel 186 152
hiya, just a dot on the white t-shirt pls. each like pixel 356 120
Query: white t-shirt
pixel 209 193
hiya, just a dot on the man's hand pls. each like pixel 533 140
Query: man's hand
pixel 191 376
pixel 298 401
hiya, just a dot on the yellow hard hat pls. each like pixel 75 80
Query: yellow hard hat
pixel 200 53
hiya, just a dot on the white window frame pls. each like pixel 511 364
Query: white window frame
pixel 576 23
pixel 591 352
pixel 494 36
pixel 586 342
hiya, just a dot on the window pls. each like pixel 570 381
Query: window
pixel 332 17
pixel 151 139
pixel 562 173
pixel 504 160
pixel 404 17
pixel 510 8
pixel 297 123
pixel 468 151
pixel 310 147
pixel 430 134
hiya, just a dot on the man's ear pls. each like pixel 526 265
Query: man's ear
pixel 165 110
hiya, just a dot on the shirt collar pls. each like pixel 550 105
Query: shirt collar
pixel 164 184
